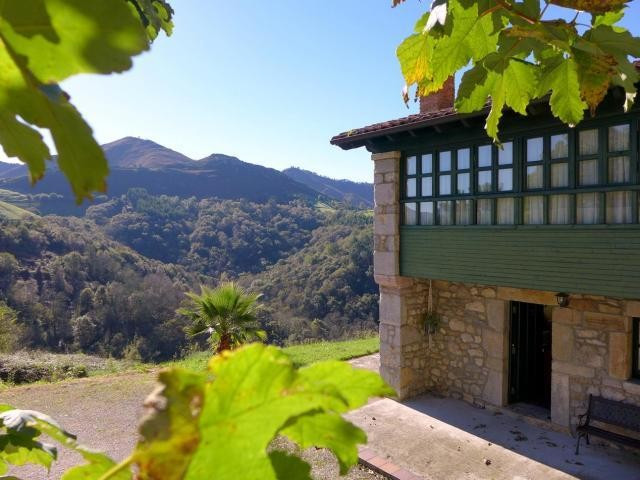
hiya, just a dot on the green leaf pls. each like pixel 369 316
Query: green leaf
pixel 475 87
pixel 414 54
pixel 155 15
pixel 328 430
pixel 560 76
pixel 288 467
pixel 169 432
pixel 98 464
pixel 594 6
pixel 609 18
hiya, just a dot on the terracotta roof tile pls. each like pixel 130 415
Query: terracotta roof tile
pixel 357 135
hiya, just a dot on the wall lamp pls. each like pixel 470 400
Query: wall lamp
pixel 562 299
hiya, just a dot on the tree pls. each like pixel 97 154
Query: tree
pixel 42 43
pixel 516 54
pixel 227 313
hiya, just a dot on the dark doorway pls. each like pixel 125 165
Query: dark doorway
pixel 530 354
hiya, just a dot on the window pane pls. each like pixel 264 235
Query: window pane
pixel 505 154
pixel 445 161
pixel 619 138
pixel 411 165
pixel 464 212
pixel 535 177
pixel 464 159
pixel 619 207
pixel 559 209
pixel 484 181
pixel 426 213
pixel 535 150
pixel 485 207
pixel 560 146
pixel 559 175
pixel 505 179
pixel 411 187
pixel 445 185
pixel 463 183
pixel 484 156
pixel 410 217
pixel 427 163
pixel 445 213
pixel 427 186
pixel 534 210
pixel 505 211
pixel 589 142
pixel 588 208
pixel 619 170
pixel 588 174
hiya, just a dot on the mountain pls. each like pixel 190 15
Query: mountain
pixel 12 170
pixel 138 163
pixel 352 193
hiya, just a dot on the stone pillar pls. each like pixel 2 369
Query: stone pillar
pixel 398 338
pixel 495 337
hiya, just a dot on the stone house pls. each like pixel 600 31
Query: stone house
pixel 527 256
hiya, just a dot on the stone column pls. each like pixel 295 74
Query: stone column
pixel 399 340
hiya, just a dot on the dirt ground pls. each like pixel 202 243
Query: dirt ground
pixel 104 413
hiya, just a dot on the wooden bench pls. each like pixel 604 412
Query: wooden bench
pixel 623 417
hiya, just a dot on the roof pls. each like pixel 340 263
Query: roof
pixel 359 136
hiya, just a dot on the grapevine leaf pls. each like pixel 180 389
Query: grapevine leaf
pixel 156 15
pixel 609 18
pixel 328 430
pixel 169 432
pixel 560 76
pixel 288 467
pixel 415 55
pixel 255 394
pixel 97 465
pixel 475 87
pixel 60 38
pixel 595 6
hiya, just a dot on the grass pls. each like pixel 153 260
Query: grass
pixel 12 212
pixel 301 355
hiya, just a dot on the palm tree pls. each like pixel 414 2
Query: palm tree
pixel 227 313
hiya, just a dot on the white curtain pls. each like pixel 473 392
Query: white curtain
pixel 589 142
pixel 588 208
pixel 464 212
pixel 426 213
pixel 619 138
pixel 619 169
pixel 445 213
pixel 534 210
pixel 619 207
pixel 505 211
pixel 484 211
pixel 588 174
pixel 535 178
pixel 559 209
pixel 559 175
pixel 410 216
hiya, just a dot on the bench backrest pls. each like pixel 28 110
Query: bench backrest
pixel 613 412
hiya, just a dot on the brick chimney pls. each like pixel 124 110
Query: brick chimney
pixel 439 100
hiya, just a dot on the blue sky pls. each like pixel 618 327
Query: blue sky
pixel 267 81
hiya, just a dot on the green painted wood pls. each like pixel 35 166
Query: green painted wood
pixel 596 260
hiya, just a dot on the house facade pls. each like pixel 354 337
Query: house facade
pixel 508 274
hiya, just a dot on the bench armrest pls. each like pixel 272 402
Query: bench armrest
pixel 583 419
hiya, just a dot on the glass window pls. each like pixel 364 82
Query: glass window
pixel 484 181
pixel 464 159
pixel 505 212
pixel 559 146
pixel 560 209
pixel 411 187
pixel 445 213
pixel 589 142
pixel 534 210
pixel 505 179
pixel 619 169
pixel 559 175
pixel 445 185
pixel 619 138
pixel 464 212
pixel 484 156
pixel 535 177
pixel 535 149
pixel 445 161
pixel 485 211
pixel 427 163
pixel 427 186
pixel 588 208
pixel 426 213
pixel 588 172
pixel 411 165
pixel 464 183
pixel 619 207
pixel 410 217
pixel 505 154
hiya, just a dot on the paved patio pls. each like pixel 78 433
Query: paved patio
pixel 441 439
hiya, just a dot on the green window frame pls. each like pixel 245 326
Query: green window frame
pixel 583 176
pixel 635 365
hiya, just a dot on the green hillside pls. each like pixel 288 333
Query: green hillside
pixel 12 212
